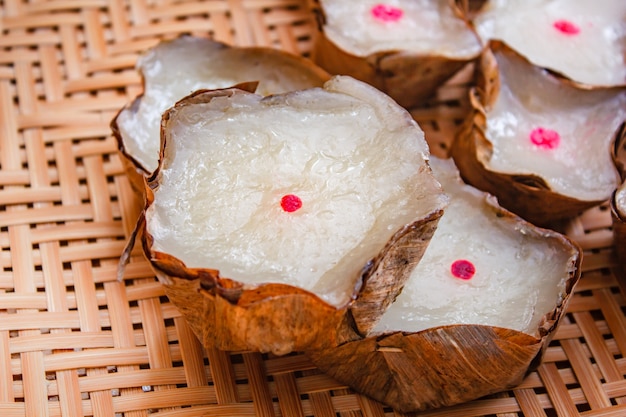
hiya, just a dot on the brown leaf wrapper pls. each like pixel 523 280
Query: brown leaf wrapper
pixel 384 278
pixel 618 209
pixel 527 195
pixel 618 214
pixel 408 78
pixel 280 318
pixel 437 367
pixel 434 368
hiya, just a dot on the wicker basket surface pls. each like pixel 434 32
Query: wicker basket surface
pixel 75 341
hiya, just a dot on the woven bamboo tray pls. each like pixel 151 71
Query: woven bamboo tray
pixel 74 341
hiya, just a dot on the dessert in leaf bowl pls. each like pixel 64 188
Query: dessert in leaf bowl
pixel 618 207
pixel 540 144
pixel 474 317
pixel 290 221
pixel 406 48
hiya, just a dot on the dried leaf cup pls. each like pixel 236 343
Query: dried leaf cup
pixel 173 69
pixel 250 270
pixel 407 50
pixel 539 144
pixel 618 211
pixel 618 207
pixel 457 334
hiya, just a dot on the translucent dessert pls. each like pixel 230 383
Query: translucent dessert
pixel 406 48
pixel 475 314
pixel 470 273
pixel 541 145
pixel 323 196
pixel 582 40
pixel 618 212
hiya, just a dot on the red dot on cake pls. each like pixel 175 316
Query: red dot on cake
pixel 566 27
pixel 290 203
pixel 545 138
pixel 387 13
pixel 463 269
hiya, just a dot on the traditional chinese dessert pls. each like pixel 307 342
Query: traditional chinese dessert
pixel 579 39
pixel 618 207
pixel 475 314
pixel 173 69
pixel 542 146
pixel 406 48
pixel 269 217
